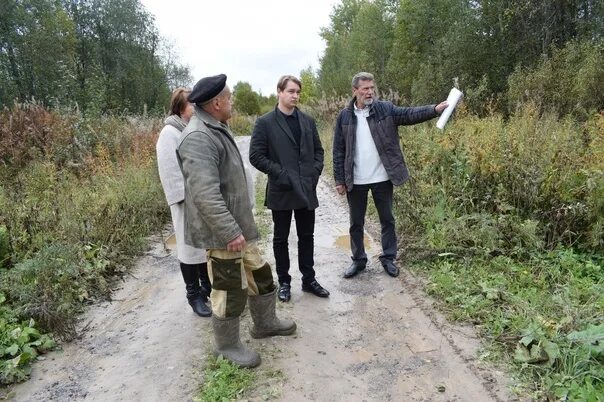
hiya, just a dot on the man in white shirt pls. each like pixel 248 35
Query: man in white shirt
pixel 367 156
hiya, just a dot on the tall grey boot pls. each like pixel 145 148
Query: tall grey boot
pixel 266 322
pixel 228 345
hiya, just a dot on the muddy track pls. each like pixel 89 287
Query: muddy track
pixel 376 338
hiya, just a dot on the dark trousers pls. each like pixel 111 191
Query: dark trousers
pixel 357 204
pixel 305 226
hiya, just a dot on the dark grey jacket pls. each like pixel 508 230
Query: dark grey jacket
pixel 217 206
pixel 293 171
pixel 384 119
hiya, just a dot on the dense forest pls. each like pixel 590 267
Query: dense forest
pixel 498 52
pixel 101 56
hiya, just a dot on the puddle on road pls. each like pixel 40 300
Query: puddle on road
pixel 343 242
pixel 170 243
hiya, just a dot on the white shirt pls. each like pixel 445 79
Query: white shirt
pixel 368 167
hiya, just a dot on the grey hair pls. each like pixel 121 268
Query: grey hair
pixel 362 76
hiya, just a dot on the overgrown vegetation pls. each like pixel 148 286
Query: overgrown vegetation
pixel 515 209
pixel 544 314
pixel 77 198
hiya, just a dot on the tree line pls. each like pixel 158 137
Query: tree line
pixel 544 51
pixel 105 56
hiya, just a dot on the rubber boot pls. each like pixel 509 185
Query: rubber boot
pixel 266 322
pixel 228 345
pixel 204 279
pixel 190 274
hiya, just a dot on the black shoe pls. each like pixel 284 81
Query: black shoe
pixel 316 289
pixel 197 300
pixel 390 268
pixel 199 307
pixel 284 292
pixel 354 269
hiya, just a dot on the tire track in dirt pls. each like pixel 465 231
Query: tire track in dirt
pixel 376 338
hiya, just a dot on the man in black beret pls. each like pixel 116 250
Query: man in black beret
pixel 207 89
pixel 219 218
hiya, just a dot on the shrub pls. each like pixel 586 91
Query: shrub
pixel 528 169
pixel 51 286
pixel 241 124
pixel 29 132
pixel 77 202
pixel 4 246
pixel 246 101
pixel 569 82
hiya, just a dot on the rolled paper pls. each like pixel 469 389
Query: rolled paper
pixel 454 96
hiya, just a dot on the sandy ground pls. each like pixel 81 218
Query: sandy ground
pixel 376 338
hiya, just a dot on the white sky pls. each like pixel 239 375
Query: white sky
pixel 253 41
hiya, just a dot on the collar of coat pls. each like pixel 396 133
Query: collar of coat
pixel 210 121
pixel 294 113
pixel 280 117
pixel 354 100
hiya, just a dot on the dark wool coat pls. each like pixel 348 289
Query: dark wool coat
pixel 293 171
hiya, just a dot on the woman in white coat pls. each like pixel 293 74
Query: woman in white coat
pixel 193 262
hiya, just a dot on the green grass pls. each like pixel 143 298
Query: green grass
pixel 224 381
pixel 544 316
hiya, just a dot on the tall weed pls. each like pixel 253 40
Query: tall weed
pixel 78 196
pixel 531 169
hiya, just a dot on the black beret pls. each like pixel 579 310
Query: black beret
pixel 207 88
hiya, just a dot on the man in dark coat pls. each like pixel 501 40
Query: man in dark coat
pixel 285 145
pixel 367 156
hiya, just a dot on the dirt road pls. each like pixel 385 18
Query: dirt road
pixel 376 338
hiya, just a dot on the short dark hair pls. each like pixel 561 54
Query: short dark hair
pixel 178 100
pixel 282 83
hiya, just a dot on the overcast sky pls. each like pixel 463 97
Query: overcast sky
pixel 253 41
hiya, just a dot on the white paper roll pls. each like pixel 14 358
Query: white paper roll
pixel 454 96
